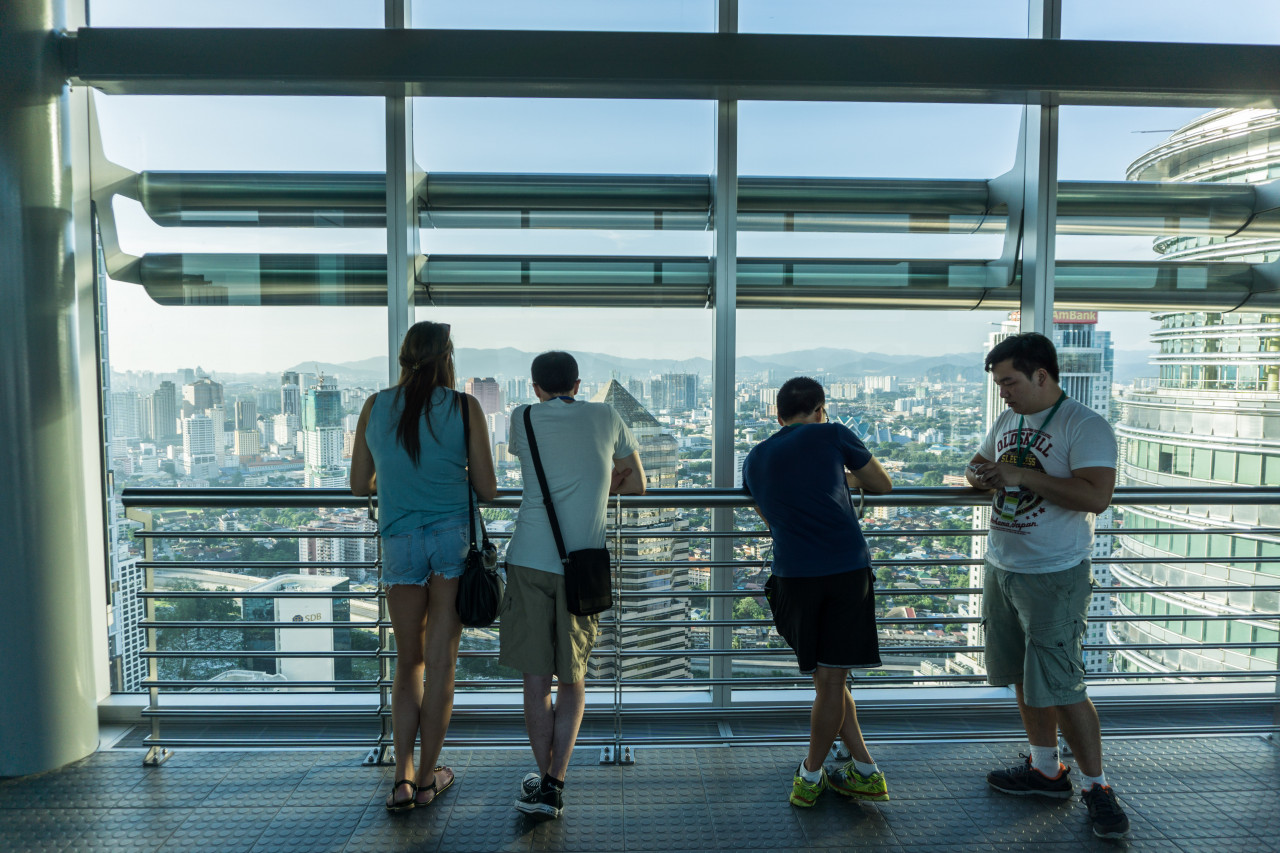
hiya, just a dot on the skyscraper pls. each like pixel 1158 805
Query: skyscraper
pixel 321 436
pixel 1212 418
pixel 202 394
pixel 669 544
pixel 246 415
pixel 199 458
pixel 164 411
pixel 486 393
pixel 291 400
pixel 675 391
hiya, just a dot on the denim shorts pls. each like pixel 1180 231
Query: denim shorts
pixel 439 549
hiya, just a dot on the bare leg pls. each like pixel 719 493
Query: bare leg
pixel 1041 723
pixel 539 718
pixel 443 633
pixel 851 732
pixel 827 716
pixel 407 607
pixel 1080 726
pixel 571 701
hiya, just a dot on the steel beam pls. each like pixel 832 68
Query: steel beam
pixel 711 66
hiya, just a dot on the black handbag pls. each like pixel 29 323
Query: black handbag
pixel 480 590
pixel 588 573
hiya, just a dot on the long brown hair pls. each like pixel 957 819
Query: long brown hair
pixel 426 363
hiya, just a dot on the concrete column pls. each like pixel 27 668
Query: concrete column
pixel 48 708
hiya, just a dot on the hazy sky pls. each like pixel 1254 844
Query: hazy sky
pixel 662 137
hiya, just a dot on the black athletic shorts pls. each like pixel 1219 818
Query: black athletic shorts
pixel 828 620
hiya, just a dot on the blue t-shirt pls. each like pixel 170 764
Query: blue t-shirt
pixel 796 477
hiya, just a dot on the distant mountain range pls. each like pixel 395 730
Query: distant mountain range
pixel 598 367
pixel 510 363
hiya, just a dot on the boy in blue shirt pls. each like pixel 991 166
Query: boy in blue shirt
pixel 821 589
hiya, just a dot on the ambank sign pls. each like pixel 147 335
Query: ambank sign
pixel 1081 317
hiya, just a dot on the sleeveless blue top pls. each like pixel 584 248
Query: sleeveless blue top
pixel 410 496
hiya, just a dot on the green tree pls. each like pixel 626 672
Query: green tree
pixel 197 609
pixel 748 608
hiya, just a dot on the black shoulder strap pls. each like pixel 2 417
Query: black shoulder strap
pixel 466 452
pixel 542 481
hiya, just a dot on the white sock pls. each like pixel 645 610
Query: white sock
pixel 865 769
pixel 1045 759
pixel 1087 782
pixel 810 776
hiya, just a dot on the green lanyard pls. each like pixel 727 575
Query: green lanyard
pixel 1023 449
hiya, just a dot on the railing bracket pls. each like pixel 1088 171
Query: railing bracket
pixel 380 756
pixel 156 756
pixel 618 757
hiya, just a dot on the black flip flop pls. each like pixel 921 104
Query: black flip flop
pixel 435 792
pixel 402 805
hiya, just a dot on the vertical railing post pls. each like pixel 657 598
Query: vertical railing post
pixel 402 205
pixel 724 375
pixel 619 756
pixel 156 754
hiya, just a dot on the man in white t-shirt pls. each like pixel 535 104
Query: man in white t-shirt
pixel 1052 464
pixel 587 454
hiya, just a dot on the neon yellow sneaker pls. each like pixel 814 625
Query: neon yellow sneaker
pixel 804 793
pixel 850 783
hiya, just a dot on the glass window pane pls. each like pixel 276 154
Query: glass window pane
pixel 976 18
pixel 358 14
pixel 1231 21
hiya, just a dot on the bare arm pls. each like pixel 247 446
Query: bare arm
pixel 627 477
pixel 479 455
pixel 1086 490
pixel 871 478
pixel 362 474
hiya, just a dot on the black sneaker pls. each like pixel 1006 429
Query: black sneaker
pixel 544 801
pixel 1023 780
pixel 1108 819
pixel 530 784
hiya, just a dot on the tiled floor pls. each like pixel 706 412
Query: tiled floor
pixel 1202 794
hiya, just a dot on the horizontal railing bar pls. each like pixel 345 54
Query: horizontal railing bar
pixel 262 653
pixel 334 712
pixel 208 686
pixel 245 593
pixel 247 624
pixel 678 498
pixel 257 564
pixel 254 534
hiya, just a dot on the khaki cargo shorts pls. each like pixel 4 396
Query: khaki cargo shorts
pixel 538 635
pixel 1034 626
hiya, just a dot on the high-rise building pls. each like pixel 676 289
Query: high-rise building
pixel 1085 359
pixel 291 400
pixel 486 393
pixel 1212 418
pixel 518 391
pixel 289 377
pixel 164 411
pixel 202 394
pixel 674 391
pixel 669 544
pixel 284 429
pixel 126 414
pixel 199 458
pixel 295 608
pixel 321 436
pixel 246 414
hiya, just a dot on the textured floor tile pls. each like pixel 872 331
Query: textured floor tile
pixel 1251 843
pixel 208 757
pixel 378 830
pixel 1019 820
pixel 1181 816
pixel 165 787
pixel 836 822
pixel 130 830
pixel 222 830
pixel 43 831
pixel 1258 812
pixel 930 822
pixel 337 786
pixel 258 788
pixel 668 826
pixel 309 830
pixel 580 828
pixel 485 829
pixel 771 823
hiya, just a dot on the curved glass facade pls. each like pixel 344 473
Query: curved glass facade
pixel 1211 418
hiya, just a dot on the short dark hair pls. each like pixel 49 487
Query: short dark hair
pixel 554 372
pixel 799 396
pixel 1029 352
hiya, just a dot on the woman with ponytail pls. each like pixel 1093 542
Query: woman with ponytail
pixel 410 449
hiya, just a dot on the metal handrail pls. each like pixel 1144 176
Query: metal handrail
pixel 626 627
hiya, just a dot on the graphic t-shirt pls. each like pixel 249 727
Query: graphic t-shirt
pixel 796 477
pixel 1044 537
